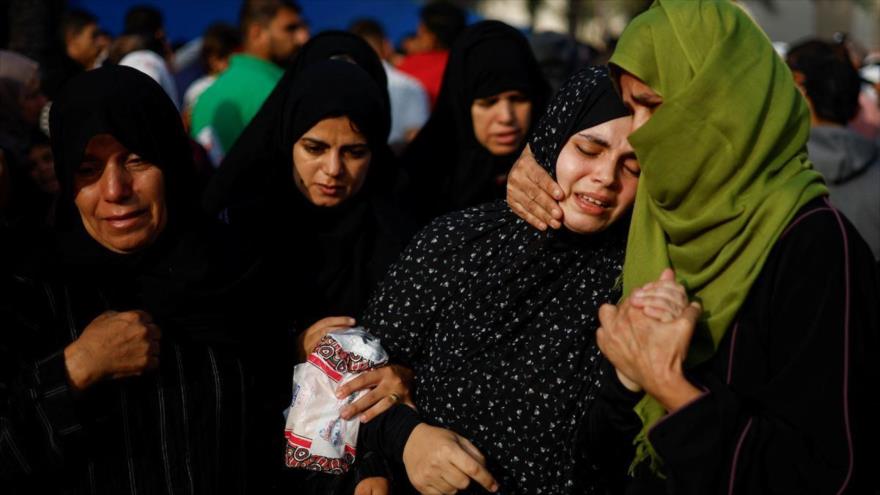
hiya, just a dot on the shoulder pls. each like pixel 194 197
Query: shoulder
pixel 452 231
pixel 818 243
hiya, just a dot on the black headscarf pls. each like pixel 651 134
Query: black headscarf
pixel 498 319
pixel 329 258
pixel 447 166
pixel 188 265
pixel 238 179
pixel 586 100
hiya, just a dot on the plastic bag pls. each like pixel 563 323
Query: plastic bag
pixel 317 438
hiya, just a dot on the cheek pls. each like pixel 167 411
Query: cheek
pixel 480 119
pixel 524 114
pixel 568 170
pixel 358 173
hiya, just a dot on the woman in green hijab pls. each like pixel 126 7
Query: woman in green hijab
pixel 762 385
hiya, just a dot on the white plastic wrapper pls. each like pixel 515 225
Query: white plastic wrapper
pixel 317 438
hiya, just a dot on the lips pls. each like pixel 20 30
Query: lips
pixel 506 137
pixel 122 221
pixel 330 190
pixel 592 203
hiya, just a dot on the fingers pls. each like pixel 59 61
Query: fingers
pixel 138 316
pixel 368 400
pixel 465 463
pixel 538 176
pixel 533 194
pixel 692 313
pixel 523 213
pixel 364 380
pixel 472 450
pixel 334 322
pixel 607 314
pixel 668 275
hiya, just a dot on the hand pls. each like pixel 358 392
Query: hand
pixel 648 352
pixel 663 300
pixel 532 194
pixel 374 485
pixel 307 340
pixel 113 345
pixel 439 461
pixel 384 381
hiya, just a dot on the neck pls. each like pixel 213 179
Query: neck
pixel 257 51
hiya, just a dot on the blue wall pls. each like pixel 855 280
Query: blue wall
pixel 187 19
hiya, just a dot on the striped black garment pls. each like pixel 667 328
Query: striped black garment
pixel 180 429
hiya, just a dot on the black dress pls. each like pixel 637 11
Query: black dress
pixel 498 319
pixel 786 407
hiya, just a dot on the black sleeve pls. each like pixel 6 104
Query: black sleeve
pixel 388 432
pixel 607 433
pixel 788 414
pixel 38 414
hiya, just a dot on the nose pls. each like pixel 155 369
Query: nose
pixel 605 173
pixel 333 165
pixel 116 183
pixel 640 116
pixel 506 114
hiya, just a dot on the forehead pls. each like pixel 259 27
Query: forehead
pixel 335 130
pixel 613 132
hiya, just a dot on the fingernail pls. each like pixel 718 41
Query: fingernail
pixel 351 321
pixel 363 419
pixel 494 487
pixel 557 193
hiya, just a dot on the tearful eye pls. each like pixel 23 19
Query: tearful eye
pixel 592 153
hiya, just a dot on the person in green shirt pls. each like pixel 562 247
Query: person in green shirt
pixel 272 32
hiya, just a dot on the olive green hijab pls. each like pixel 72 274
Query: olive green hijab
pixel 724 161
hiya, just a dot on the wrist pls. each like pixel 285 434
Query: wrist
pixel 80 372
pixel 672 390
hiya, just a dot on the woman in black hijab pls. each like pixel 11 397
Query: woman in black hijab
pixel 238 178
pixel 492 88
pixel 125 366
pixel 326 252
pixel 497 319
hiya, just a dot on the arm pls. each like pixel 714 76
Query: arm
pixel 778 420
pixel 39 411
pixel 435 459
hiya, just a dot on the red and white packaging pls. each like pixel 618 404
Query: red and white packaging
pixel 317 438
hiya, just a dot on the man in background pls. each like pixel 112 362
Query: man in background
pixel 409 101
pixel 272 32
pixel 440 23
pixel 849 161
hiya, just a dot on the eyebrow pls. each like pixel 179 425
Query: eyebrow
pixel 595 139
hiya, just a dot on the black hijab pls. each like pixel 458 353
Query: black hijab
pixel 447 166
pixel 329 258
pixel 481 302
pixel 180 276
pixel 238 179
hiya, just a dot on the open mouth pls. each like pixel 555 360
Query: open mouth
pixel 594 201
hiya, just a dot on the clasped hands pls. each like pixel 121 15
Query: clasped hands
pixel 646 338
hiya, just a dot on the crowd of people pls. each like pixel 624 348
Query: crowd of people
pixel 657 275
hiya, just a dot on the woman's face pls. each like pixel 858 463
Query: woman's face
pixel 42 168
pixel 501 121
pixel 598 173
pixel 31 102
pixel 120 196
pixel 638 97
pixel 330 162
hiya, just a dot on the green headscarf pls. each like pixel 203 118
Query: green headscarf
pixel 724 162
